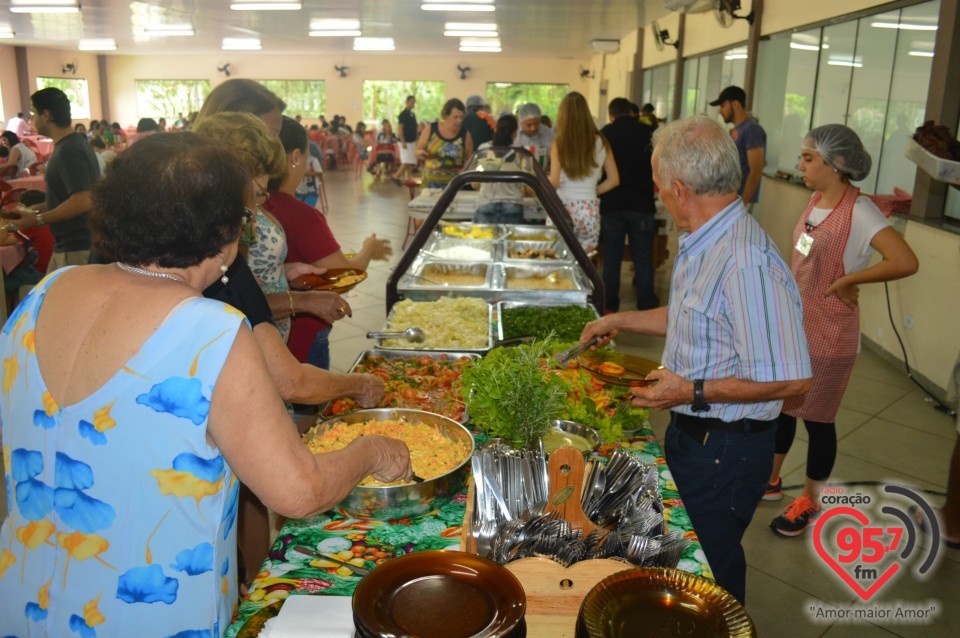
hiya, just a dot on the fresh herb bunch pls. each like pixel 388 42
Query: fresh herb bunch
pixel 566 322
pixel 510 394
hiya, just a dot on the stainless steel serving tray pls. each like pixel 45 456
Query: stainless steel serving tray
pixel 558 246
pixel 430 274
pixel 419 346
pixel 498 230
pixel 566 276
pixel 503 305
pixel 397 355
pixel 527 232
pixel 439 243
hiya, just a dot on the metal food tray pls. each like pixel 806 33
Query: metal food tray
pixel 524 232
pixel 563 272
pixel 417 346
pixel 498 230
pixel 502 305
pixel 559 248
pixel 392 355
pixel 438 243
pixel 432 270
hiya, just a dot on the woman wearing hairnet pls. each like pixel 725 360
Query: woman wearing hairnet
pixel 833 243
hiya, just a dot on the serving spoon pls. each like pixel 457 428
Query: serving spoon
pixel 413 335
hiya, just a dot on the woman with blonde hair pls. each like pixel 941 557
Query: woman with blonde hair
pixel 245 96
pixel 578 157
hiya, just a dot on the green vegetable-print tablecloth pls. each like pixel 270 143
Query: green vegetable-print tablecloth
pixel 287 572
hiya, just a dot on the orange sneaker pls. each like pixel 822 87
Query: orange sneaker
pixel 796 518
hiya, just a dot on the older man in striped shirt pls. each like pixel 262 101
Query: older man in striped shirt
pixel 735 346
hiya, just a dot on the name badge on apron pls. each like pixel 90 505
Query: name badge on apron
pixel 804 244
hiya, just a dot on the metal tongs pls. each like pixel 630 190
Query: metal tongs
pixel 413 335
pixel 571 353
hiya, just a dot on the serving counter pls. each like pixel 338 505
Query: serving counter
pixel 287 572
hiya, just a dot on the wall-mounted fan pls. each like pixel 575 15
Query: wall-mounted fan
pixel 342 70
pixel 661 37
pixel 726 13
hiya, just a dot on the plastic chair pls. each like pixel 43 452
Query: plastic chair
pixel 331 152
pixel 11 197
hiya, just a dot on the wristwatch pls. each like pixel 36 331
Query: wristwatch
pixel 699 405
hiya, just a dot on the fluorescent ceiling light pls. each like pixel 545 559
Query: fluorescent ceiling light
pixel 906 26
pixel 265 6
pixel 735 56
pixel 321 33
pixel 170 30
pixel 98 44
pixel 460 1
pixel 855 65
pixel 458 7
pixel 334 24
pixel 6 33
pixel 241 44
pixel 45 6
pixel 921 54
pixel 480 42
pixel 470 26
pixel 373 44
pixel 472 34
pixel 480 49
pixel 804 47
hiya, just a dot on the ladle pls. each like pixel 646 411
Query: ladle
pixel 413 335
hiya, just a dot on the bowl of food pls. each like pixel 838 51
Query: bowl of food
pixel 570 434
pixel 440 451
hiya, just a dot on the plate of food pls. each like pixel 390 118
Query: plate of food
pixel 618 368
pixel 335 280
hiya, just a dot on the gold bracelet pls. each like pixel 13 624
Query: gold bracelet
pixel 293 313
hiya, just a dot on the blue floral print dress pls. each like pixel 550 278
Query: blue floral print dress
pixel 121 516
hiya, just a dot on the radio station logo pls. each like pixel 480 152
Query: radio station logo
pixel 870 542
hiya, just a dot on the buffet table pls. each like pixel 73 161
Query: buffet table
pixel 287 572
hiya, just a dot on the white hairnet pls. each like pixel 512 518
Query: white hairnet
pixel 841 149
pixel 528 111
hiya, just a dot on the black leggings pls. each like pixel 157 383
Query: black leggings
pixel 821 450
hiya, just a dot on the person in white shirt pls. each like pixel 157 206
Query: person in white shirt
pixel 533 133
pixel 20 154
pixel 18 125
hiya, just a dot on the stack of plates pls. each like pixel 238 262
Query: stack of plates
pixel 658 602
pixel 437 594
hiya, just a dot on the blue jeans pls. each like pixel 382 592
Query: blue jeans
pixel 720 484
pixel 640 229
pixel 319 353
pixel 499 213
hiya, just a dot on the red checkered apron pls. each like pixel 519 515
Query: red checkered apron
pixel 833 329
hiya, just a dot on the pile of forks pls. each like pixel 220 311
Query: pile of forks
pixel 510 522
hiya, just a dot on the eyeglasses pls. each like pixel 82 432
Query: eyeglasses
pixel 248 215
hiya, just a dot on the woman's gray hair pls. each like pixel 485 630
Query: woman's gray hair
pixel 840 149
pixel 698 152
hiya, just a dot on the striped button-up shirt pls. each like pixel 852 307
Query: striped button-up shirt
pixel 734 312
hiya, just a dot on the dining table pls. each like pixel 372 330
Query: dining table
pixel 288 572
pixel 44 144
pixel 30 182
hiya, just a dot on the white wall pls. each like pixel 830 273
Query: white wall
pixel 344 95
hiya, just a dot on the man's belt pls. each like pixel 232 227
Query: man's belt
pixel 700 427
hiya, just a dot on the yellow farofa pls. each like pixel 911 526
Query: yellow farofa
pixel 431 453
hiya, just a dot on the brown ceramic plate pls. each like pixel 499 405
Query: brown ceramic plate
pixel 439 594
pixel 658 602
pixel 335 280
pixel 603 364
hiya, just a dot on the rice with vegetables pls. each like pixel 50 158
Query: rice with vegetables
pixel 431 453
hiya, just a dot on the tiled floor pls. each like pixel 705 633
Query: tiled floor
pixel 887 432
